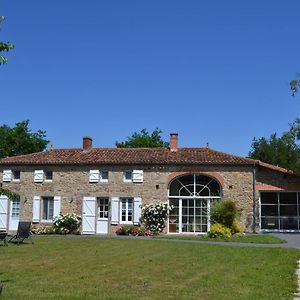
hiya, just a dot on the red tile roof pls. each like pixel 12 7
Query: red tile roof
pixel 134 156
pixel 127 156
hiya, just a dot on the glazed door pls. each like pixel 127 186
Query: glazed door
pixel 102 220
pixel 14 214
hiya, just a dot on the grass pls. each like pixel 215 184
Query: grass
pixel 257 238
pixel 58 267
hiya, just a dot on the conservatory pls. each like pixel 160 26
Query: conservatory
pixel 191 197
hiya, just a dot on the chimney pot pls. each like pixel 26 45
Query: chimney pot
pixel 87 143
pixel 173 142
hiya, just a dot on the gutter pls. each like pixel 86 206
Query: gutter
pixel 254 196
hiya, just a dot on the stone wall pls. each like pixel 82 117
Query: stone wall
pixel 72 184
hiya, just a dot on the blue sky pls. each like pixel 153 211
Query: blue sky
pixel 213 71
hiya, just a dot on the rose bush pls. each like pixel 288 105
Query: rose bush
pixel 154 216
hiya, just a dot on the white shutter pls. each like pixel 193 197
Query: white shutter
pixel 137 175
pixel 89 215
pixel 38 176
pixel 56 209
pixel 6 175
pixel 115 210
pixel 3 212
pixel 36 208
pixel 137 202
pixel 94 175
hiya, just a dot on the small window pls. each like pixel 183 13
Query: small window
pixel 48 208
pixel 104 176
pixel 126 210
pixel 16 175
pixel 48 175
pixel 15 208
pixel 127 176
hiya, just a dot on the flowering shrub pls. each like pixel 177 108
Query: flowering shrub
pixel 154 216
pixel 44 229
pixel 133 230
pixel 68 223
pixel 219 231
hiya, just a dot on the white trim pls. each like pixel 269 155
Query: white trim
pixel 104 180
pixel 38 176
pixel 137 176
pixel 6 175
pixel 36 209
pixel 124 178
pixel 126 209
pixel 94 176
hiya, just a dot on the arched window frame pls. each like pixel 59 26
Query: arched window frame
pixel 195 194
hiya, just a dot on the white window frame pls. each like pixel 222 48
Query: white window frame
pixel 50 220
pixel 13 176
pixel 124 176
pixel 120 211
pixel 48 180
pixel 101 177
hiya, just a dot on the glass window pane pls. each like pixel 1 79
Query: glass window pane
pixel 288 210
pixel 288 198
pixel 289 223
pixel 269 198
pixel 128 175
pixel 269 223
pixel 269 210
pixel 104 175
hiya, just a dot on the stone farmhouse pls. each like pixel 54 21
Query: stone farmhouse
pixel 107 187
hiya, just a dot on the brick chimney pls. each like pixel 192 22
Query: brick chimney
pixel 87 143
pixel 173 142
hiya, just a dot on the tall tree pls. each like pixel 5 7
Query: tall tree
pixel 283 151
pixel 21 140
pixel 4 46
pixel 144 139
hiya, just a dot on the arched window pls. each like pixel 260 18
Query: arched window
pixel 194 186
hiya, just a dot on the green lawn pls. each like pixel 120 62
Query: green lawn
pixel 257 238
pixel 110 268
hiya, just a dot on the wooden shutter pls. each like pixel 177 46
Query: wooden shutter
pixel 137 202
pixel 38 176
pixel 7 175
pixel 94 175
pixel 137 175
pixel 56 206
pixel 89 215
pixel 115 210
pixel 36 209
pixel 3 212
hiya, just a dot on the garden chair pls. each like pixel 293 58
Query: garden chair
pixel 24 232
pixel 3 236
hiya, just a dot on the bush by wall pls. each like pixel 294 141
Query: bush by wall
pixel 154 216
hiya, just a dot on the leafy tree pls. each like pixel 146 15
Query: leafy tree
pixel 4 47
pixel 20 140
pixel 282 151
pixel 144 139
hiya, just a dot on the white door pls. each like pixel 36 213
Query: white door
pixel 89 215
pixel 3 212
pixel 14 214
pixel 102 220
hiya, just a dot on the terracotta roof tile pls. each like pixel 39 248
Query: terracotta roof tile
pixel 127 156
pixel 135 156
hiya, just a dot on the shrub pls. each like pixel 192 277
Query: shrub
pixel 224 212
pixel 154 216
pixel 236 227
pixel 133 230
pixel 68 223
pixel 218 230
pixel 48 229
